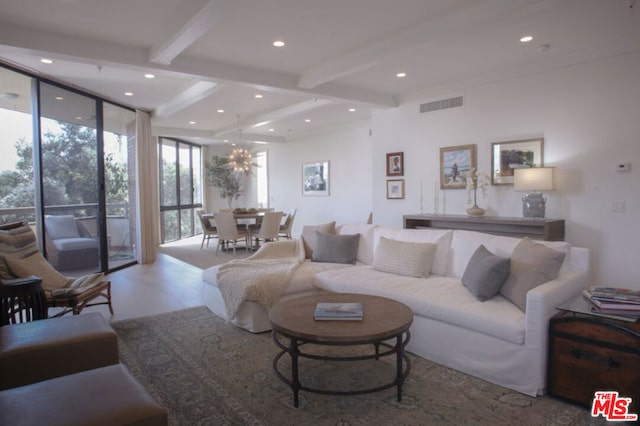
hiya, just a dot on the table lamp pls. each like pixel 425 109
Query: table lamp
pixel 534 181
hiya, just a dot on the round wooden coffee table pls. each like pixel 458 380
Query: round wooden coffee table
pixel 383 319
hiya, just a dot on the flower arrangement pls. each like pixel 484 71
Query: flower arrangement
pixel 476 180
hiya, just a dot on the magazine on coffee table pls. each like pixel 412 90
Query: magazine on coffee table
pixel 345 311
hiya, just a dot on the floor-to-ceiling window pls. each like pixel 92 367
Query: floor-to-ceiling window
pixel 180 188
pixel 17 198
pixel 73 176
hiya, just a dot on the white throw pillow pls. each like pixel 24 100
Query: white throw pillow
pixel 404 258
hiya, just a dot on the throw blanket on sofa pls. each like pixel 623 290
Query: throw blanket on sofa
pixel 261 277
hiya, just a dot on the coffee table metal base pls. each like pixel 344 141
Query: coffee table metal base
pixel 403 363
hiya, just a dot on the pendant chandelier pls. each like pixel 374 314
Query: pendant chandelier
pixel 240 159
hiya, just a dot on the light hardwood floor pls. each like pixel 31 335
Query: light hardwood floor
pixel 143 290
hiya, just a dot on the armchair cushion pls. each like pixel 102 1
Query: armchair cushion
pixel 62 227
pixel 36 264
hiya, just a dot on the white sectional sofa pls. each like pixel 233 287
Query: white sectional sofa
pixel 492 339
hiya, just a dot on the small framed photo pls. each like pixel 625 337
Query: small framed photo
pixel 455 165
pixel 315 178
pixel 508 156
pixel 395 164
pixel 395 189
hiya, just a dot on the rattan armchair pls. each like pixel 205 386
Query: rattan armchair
pixel 20 258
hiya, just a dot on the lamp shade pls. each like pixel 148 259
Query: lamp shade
pixel 533 179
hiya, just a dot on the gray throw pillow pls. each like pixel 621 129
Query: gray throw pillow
pixel 309 236
pixel 485 273
pixel 532 264
pixel 335 248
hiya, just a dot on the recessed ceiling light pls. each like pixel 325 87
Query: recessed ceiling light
pixel 192 122
pixel 260 142
pixel 78 118
pixel 352 109
pixel 278 43
pixel 149 75
pixel 526 39
pixel 59 98
pixel 307 120
pixel 271 130
pixel 46 61
pixel 401 74
pixel 257 96
pixel 226 141
pixel 128 93
pixel 220 111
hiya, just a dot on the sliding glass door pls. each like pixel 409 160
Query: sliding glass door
pixel 66 169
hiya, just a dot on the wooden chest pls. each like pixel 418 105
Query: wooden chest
pixel 588 354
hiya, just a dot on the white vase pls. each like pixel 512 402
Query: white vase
pixel 475 211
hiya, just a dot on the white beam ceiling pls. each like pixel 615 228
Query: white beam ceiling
pixel 214 12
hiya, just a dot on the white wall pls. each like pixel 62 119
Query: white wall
pixel 589 116
pixel 348 150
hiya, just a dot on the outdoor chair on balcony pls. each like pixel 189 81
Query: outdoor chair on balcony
pixel 69 244
pixel 20 258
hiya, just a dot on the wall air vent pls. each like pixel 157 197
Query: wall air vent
pixel 441 104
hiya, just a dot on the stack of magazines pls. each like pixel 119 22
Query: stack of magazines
pixel 338 311
pixel 614 301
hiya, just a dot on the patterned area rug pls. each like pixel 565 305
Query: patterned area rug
pixel 206 372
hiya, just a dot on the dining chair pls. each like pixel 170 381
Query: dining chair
pixel 269 228
pixel 285 228
pixel 228 231
pixel 208 229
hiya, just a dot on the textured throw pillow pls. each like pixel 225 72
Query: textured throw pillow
pixel 336 248
pixel 18 242
pixel 404 258
pixel 37 265
pixel 532 264
pixel 309 236
pixel 485 273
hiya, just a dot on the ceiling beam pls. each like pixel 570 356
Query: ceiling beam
pixel 274 115
pixel 438 28
pixel 193 94
pixel 214 12
pixel 91 51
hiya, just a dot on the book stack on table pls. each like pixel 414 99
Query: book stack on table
pixel 338 312
pixel 614 301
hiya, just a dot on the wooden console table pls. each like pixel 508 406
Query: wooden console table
pixel 540 229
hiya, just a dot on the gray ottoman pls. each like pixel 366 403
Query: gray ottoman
pixel 41 350
pixel 104 396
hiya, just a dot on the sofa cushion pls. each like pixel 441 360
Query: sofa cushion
pixel 36 264
pixel 365 243
pixel 309 236
pixel 404 258
pixel 437 236
pixel 336 248
pixel 485 273
pixel 440 298
pixel 532 264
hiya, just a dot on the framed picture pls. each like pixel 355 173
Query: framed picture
pixel 455 164
pixel 395 189
pixel 395 164
pixel 507 156
pixel 315 178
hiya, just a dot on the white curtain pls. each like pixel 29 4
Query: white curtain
pixel 147 188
